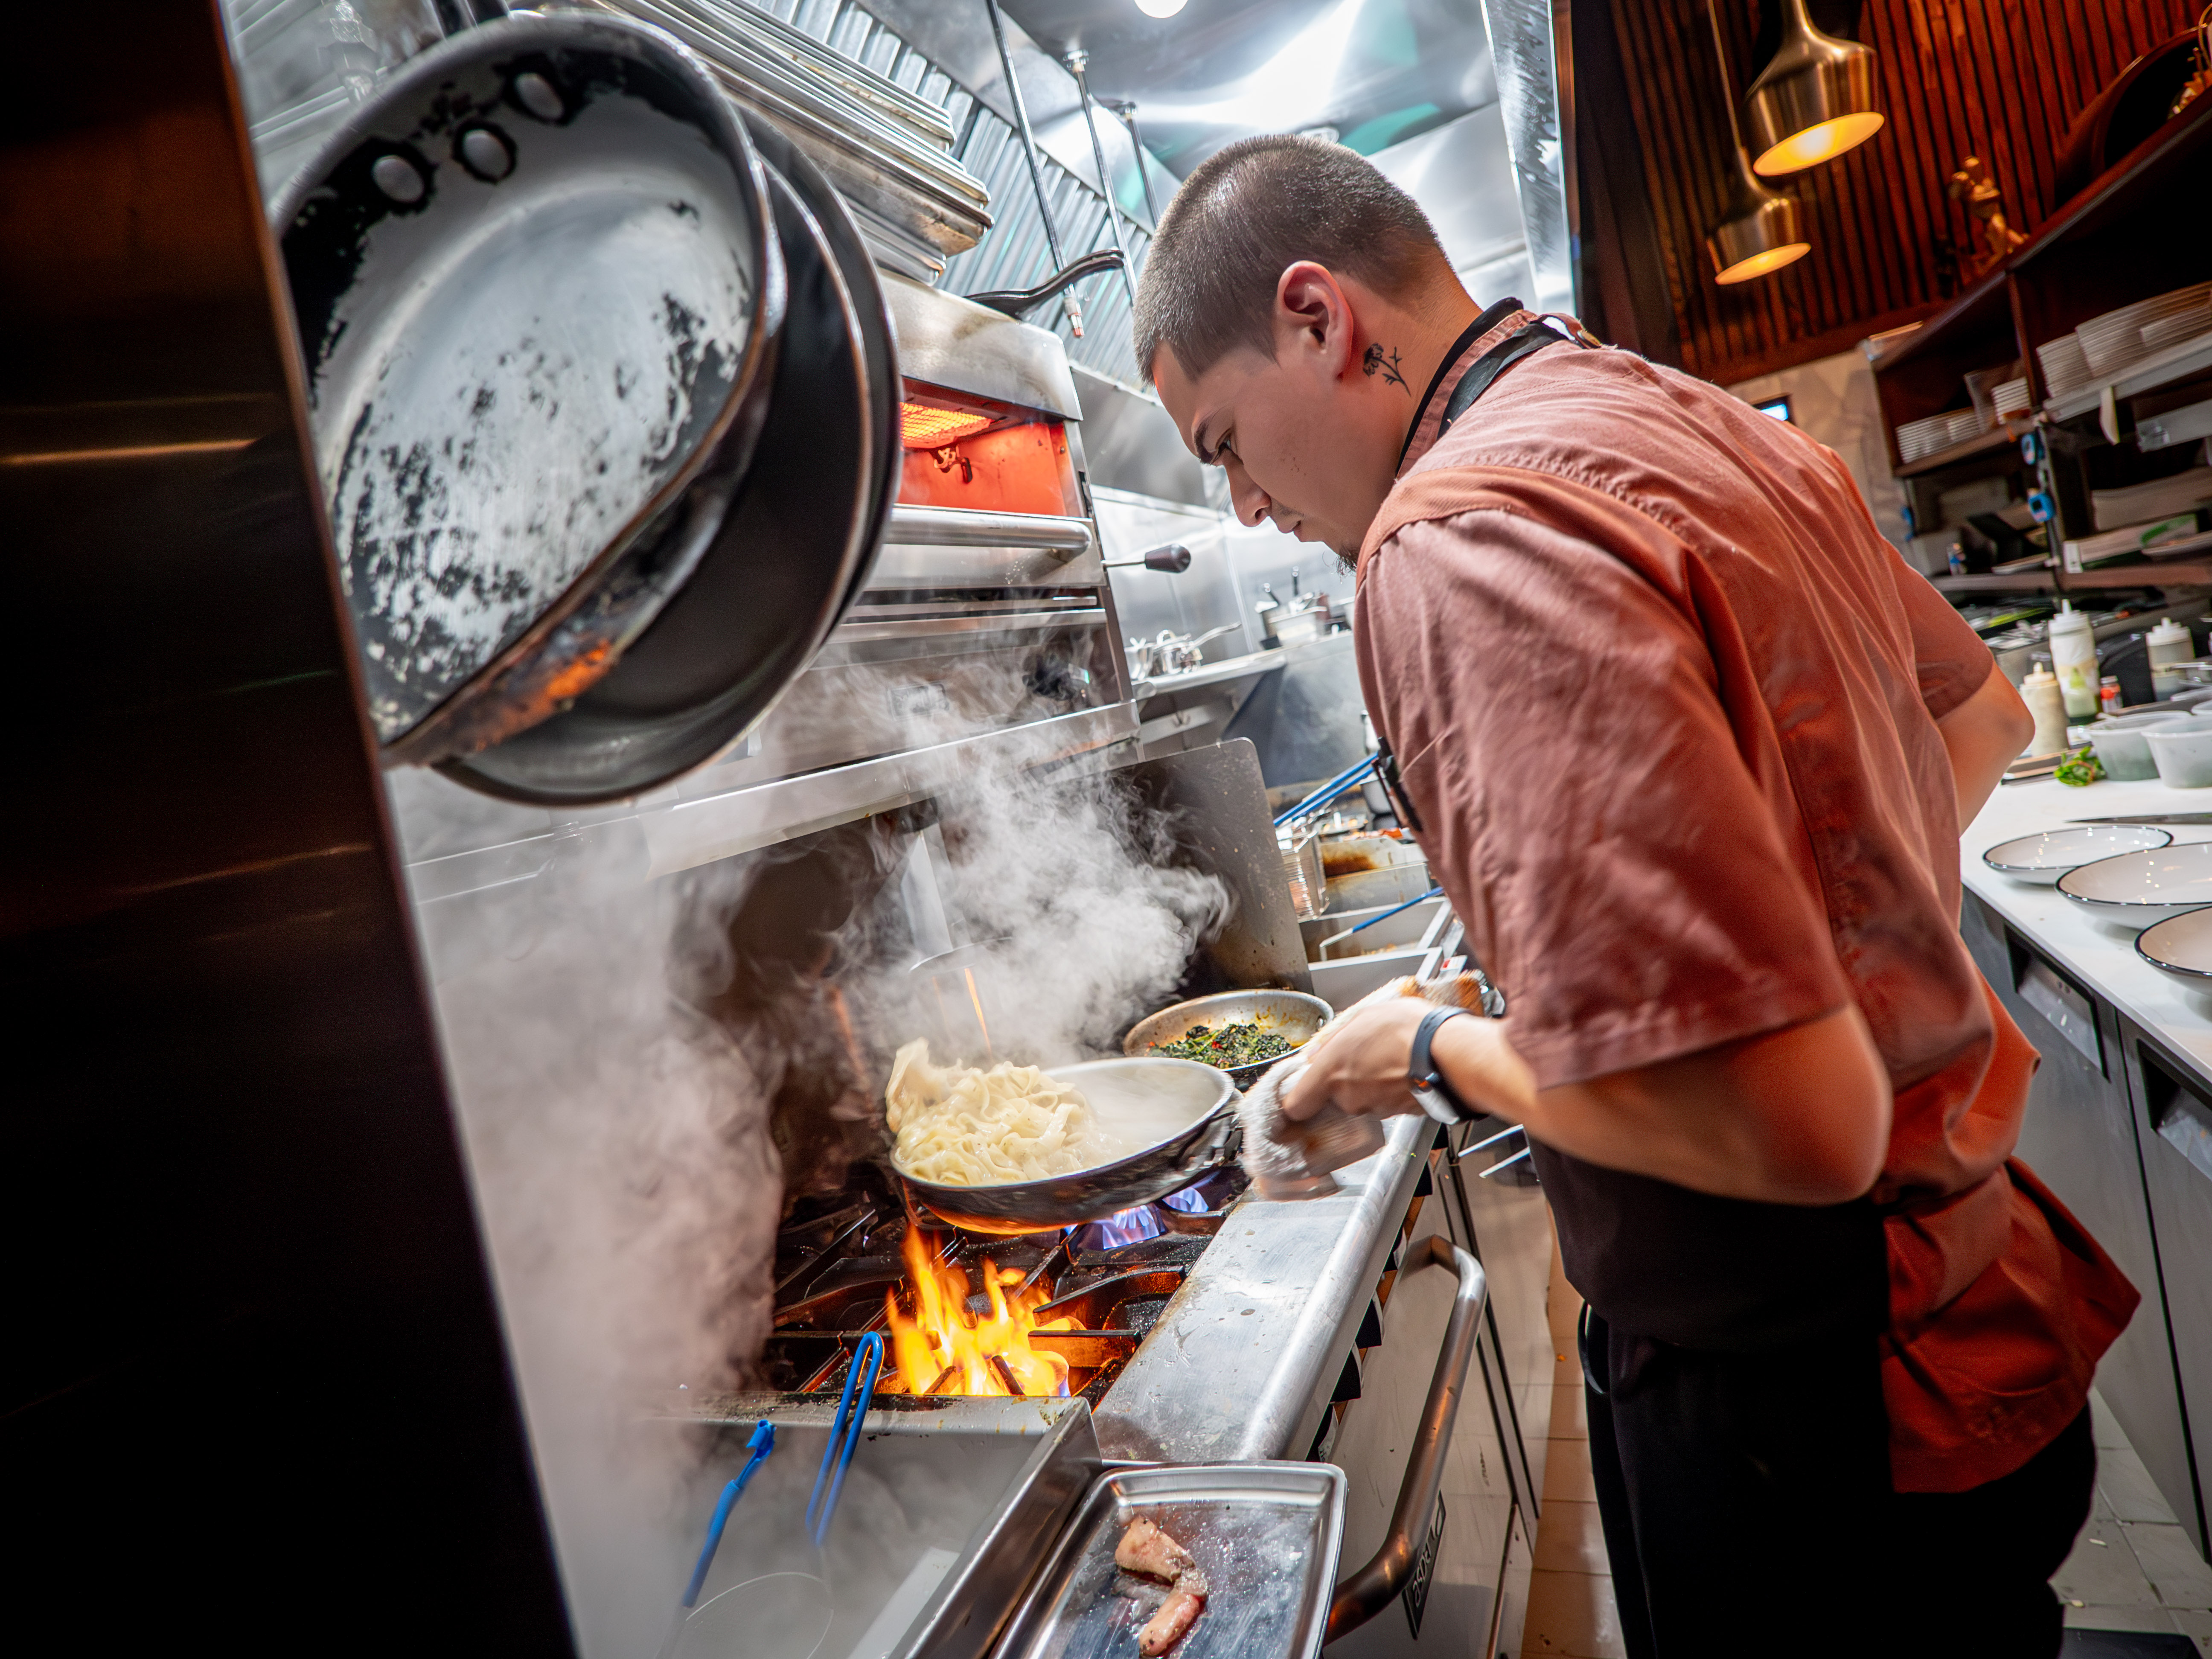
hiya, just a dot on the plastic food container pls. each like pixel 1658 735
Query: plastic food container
pixel 2183 753
pixel 2122 745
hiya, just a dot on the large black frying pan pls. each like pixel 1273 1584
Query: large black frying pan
pixel 1187 1122
pixel 794 550
pixel 539 293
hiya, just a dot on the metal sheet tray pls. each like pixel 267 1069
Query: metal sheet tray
pixel 1265 1535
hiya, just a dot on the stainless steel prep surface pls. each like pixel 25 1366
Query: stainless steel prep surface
pixel 1240 1367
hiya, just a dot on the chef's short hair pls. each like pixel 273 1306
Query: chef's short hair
pixel 1249 213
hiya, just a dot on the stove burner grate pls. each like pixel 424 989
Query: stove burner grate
pixel 837 1255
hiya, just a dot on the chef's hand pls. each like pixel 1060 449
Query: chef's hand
pixel 1361 1062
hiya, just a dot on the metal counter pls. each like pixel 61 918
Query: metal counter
pixel 1243 1360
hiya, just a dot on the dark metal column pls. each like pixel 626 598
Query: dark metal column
pixel 254 1385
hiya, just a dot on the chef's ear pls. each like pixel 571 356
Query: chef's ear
pixel 1313 316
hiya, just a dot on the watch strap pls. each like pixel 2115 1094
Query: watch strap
pixel 1428 1082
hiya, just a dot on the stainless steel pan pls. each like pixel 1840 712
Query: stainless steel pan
pixel 1291 1015
pixel 792 551
pixel 1202 1137
pixel 540 291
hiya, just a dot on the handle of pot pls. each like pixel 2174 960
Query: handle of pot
pixel 1366 1592
pixel 1017 302
pixel 1174 559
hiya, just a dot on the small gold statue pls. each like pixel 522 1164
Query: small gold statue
pixel 1972 184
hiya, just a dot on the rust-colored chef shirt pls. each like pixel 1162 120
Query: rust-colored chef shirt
pixel 1665 701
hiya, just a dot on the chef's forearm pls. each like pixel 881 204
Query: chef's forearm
pixel 1983 736
pixel 1800 1115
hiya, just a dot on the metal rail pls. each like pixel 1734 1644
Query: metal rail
pixel 1367 1591
pixel 961 527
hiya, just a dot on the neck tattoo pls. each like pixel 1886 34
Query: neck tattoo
pixel 1385 363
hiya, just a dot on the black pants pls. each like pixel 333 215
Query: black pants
pixel 1747 1510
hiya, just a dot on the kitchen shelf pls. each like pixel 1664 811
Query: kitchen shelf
pixel 2022 581
pixel 2180 573
pixel 1981 443
pixel 2133 233
pixel 1987 302
pixel 2176 362
pixel 1251 663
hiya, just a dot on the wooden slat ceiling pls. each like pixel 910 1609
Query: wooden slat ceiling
pixel 2001 79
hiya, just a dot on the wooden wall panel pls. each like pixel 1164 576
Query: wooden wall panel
pixel 2001 79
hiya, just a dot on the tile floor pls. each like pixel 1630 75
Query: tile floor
pixel 2133 1568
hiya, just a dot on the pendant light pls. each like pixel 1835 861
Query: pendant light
pixel 1814 98
pixel 1758 232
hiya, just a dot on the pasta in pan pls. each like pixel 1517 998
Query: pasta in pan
pixel 961 1127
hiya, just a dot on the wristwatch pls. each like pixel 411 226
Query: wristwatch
pixel 1431 1092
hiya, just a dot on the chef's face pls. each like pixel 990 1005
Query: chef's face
pixel 1309 439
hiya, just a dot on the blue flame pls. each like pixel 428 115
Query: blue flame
pixel 1189 1200
pixel 1130 1227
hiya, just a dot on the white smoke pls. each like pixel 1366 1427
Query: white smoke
pixel 620 1139
pixel 1059 888
pixel 619 1148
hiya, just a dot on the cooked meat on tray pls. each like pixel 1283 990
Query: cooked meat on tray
pixel 1174 1619
pixel 1146 1549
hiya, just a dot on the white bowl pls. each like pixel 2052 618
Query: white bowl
pixel 2181 944
pixel 2123 746
pixel 2043 858
pixel 2182 752
pixel 2142 887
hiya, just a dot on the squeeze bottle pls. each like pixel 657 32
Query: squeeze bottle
pixel 2168 642
pixel 2074 660
pixel 2040 691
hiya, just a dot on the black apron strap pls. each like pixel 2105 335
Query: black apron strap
pixel 1482 373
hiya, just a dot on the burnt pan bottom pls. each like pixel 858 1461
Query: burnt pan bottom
pixel 767 592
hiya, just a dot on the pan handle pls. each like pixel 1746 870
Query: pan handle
pixel 1019 302
pixel 1367 1591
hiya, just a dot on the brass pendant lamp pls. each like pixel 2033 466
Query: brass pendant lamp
pixel 1814 101
pixel 1758 232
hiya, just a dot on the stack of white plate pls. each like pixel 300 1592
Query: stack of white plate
pixel 2114 341
pixel 2147 503
pixel 1925 437
pixel 2065 369
pixel 2182 326
pixel 2008 399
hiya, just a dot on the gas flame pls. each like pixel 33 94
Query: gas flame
pixel 945 1349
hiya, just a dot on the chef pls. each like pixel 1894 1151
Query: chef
pixel 1689 749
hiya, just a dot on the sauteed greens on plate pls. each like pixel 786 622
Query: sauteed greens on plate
pixel 1238 1042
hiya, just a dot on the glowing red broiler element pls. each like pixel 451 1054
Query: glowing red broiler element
pixel 942 1348
pixel 922 427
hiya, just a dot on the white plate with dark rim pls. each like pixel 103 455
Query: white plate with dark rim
pixel 2181 944
pixel 2139 888
pixel 2048 854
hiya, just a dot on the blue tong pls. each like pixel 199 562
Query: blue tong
pixel 846 1427
pixel 761 1443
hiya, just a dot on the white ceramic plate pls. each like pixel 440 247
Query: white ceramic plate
pixel 2143 886
pixel 2181 944
pixel 2044 857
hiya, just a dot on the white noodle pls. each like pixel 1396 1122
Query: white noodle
pixel 960 1126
